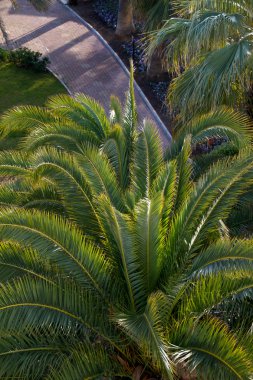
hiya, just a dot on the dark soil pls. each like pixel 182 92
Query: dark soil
pixel 86 11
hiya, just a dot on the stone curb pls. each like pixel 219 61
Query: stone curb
pixel 59 79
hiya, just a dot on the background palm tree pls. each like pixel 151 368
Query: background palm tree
pixel 152 12
pixel 212 42
pixel 114 262
pixel 125 21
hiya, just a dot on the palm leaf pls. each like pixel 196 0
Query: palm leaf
pixel 62 243
pixel 209 349
pixel 147 161
pixel 147 331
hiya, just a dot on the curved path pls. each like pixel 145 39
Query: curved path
pixel 78 55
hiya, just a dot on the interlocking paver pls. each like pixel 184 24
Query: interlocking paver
pixel 76 53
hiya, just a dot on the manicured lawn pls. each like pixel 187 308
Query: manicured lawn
pixel 19 86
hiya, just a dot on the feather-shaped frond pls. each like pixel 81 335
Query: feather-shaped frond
pixel 147 161
pixel 18 261
pixel 29 357
pixel 149 243
pixel 64 170
pixel 115 110
pixel 118 229
pixel 210 292
pixel 211 199
pixel 83 111
pixel 100 176
pixel 88 361
pixel 223 122
pixel 13 163
pixel 61 243
pixel 23 119
pixel 148 332
pixel 117 152
pixel 210 350
pixel 224 256
pixel 68 137
pixel 130 112
pixel 31 306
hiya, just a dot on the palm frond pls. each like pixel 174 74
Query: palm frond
pixel 17 261
pixel 100 176
pixel 64 170
pixel 118 229
pixel 149 246
pixel 223 122
pixel 115 110
pixel 147 331
pixel 88 362
pixel 147 161
pixel 224 256
pixel 61 243
pixel 218 78
pixel 184 173
pixel 20 120
pixel 117 152
pixel 190 6
pixel 32 306
pixel 68 137
pixel 83 111
pixel 209 349
pixel 29 357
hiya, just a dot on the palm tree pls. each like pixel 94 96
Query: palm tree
pixel 125 23
pixel 152 11
pixel 212 42
pixel 113 261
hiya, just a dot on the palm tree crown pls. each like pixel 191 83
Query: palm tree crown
pixel 114 261
pixel 212 42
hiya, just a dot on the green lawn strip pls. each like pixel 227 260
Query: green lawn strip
pixel 19 86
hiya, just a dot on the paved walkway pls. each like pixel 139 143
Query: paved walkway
pixel 77 55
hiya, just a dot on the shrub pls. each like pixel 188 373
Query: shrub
pixel 4 55
pixel 28 59
pixel 25 58
pixel 107 11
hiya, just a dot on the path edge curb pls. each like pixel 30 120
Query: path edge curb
pixel 59 79
pixel 115 55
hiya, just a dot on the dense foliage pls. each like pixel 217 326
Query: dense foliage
pixel 115 257
pixel 25 58
pixel 208 44
pixel 120 256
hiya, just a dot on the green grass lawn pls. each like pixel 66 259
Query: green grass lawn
pixel 19 86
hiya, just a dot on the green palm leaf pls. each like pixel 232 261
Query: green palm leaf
pixel 209 349
pixel 62 243
pixel 149 246
pixel 148 160
pixel 147 331
pixel 88 362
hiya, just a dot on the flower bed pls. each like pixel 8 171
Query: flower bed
pixel 160 90
pixel 134 49
pixel 107 11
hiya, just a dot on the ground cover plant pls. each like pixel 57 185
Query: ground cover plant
pixel 25 58
pixel 20 86
pixel 116 260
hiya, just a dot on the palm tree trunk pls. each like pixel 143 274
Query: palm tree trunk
pixel 125 23
pixel 155 66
